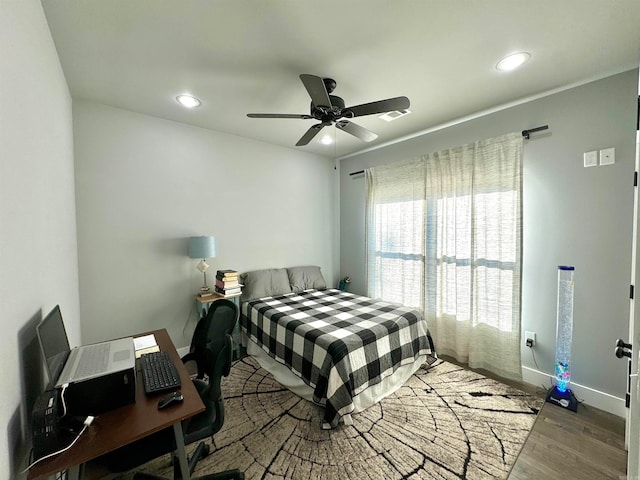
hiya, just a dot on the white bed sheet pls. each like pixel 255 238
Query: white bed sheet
pixel 362 401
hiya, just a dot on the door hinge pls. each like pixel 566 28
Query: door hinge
pixel 631 292
pixel 627 400
pixel 635 179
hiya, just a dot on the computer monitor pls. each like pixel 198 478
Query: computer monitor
pixel 54 343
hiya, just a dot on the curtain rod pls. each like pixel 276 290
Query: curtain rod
pixel 525 134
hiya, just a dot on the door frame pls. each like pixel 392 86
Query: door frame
pixel 632 430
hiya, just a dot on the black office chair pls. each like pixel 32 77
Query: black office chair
pixel 210 331
pixel 212 351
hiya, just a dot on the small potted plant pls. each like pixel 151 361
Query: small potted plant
pixel 344 284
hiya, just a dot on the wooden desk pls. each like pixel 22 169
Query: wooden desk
pixel 124 425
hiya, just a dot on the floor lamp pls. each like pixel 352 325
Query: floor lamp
pixel 560 394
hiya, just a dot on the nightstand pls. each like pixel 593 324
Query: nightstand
pixel 202 306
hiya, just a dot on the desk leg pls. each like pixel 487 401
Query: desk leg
pixel 182 454
pixel 74 473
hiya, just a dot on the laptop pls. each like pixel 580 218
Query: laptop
pixel 66 365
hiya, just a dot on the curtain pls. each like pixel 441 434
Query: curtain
pixel 444 234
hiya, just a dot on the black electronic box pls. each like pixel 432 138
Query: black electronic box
pixel 101 394
pixel 49 432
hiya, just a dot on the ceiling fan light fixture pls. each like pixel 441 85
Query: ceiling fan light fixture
pixel 513 61
pixel 188 101
pixel 394 115
pixel 326 140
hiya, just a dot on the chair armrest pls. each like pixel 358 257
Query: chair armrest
pixel 191 357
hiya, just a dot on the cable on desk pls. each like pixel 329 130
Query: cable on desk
pixel 64 404
pixel 86 422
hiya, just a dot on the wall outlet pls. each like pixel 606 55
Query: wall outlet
pixel 529 339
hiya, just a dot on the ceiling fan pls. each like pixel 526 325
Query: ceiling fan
pixel 330 109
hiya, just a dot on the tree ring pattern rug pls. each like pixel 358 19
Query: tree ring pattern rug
pixel 444 423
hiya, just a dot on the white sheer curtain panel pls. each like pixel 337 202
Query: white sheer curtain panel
pixel 444 233
pixel 395 231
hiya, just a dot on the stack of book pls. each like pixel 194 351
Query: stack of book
pixel 227 283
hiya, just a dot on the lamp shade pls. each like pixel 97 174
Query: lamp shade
pixel 202 247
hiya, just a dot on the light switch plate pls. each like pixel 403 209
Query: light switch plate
pixel 591 158
pixel 608 156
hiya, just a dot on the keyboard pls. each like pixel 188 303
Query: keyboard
pixel 93 359
pixel 158 372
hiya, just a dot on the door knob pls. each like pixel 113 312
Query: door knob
pixel 621 352
pixel 620 343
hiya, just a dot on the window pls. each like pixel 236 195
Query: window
pixel 444 234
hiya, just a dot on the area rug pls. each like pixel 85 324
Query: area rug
pixel 444 423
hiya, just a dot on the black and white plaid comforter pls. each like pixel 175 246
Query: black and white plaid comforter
pixel 337 342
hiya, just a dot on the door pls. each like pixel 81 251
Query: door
pixel 632 431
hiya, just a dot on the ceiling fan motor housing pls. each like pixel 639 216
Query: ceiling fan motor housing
pixel 336 111
pixel 330 84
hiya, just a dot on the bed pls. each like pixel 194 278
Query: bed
pixel 340 350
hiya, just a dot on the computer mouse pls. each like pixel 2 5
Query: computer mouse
pixel 170 399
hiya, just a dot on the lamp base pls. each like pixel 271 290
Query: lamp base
pixel 205 291
pixel 564 399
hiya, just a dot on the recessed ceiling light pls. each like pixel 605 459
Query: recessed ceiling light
pixel 326 140
pixel 513 61
pixel 188 101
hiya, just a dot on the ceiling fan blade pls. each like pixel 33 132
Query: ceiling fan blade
pixel 317 90
pixel 356 130
pixel 381 106
pixel 278 115
pixel 308 136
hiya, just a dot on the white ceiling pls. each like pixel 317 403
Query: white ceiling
pixel 242 56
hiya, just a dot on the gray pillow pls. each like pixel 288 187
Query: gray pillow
pixel 264 283
pixel 303 278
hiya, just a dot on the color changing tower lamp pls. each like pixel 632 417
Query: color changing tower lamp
pixel 203 248
pixel 560 394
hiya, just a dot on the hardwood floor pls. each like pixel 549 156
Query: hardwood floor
pixel 587 445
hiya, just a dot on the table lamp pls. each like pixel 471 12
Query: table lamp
pixel 202 247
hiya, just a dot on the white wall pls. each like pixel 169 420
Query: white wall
pixel 572 216
pixel 38 253
pixel 144 185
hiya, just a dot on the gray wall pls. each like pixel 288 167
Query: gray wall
pixel 572 216
pixel 38 253
pixel 144 185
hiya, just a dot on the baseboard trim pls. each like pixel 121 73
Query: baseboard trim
pixel 590 396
